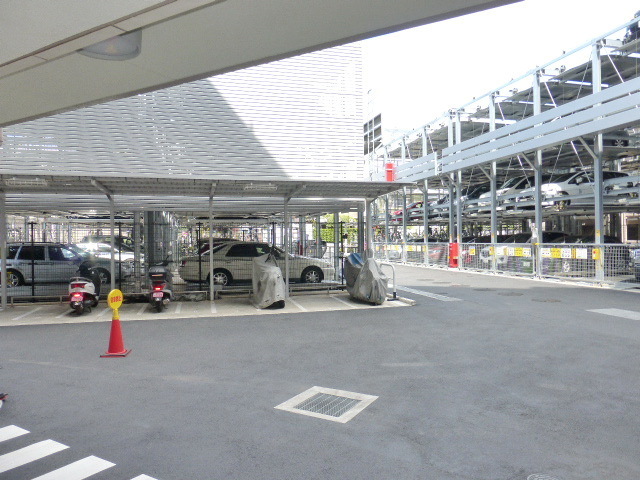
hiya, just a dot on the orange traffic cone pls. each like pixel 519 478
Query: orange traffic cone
pixel 116 343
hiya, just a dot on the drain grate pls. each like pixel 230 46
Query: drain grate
pixel 326 404
pixel 329 404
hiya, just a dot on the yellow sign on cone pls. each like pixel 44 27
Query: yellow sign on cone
pixel 114 300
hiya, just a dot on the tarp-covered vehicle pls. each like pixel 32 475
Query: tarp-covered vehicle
pixel 268 283
pixel 365 280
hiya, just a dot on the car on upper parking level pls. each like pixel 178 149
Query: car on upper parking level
pixel 571 184
pixel 233 261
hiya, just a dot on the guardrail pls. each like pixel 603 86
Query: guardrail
pixel 597 263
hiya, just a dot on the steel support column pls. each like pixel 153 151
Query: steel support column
pixel 386 226
pixel 336 242
pixel 598 200
pixel 536 231
pixel 368 240
pixel 451 211
pixel 3 251
pixel 319 253
pixel 212 292
pixel 459 206
pixel 112 225
pixel 285 234
pixel 404 224
pixel 493 175
pixel 425 221
pixel 361 228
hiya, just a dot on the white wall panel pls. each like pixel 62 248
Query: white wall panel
pixel 299 118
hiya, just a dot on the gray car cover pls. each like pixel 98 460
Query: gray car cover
pixel 365 281
pixel 268 283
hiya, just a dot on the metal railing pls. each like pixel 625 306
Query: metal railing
pixel 598 263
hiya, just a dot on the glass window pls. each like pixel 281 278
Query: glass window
pixel 55 253
pixel 68 254
pixel 242 250
pixel 609 175
pixel 511 182
pixel 562 178
pixel 29 252
pixel 12 250
pixel 263 249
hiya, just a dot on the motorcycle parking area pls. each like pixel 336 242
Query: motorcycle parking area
pixel 227 306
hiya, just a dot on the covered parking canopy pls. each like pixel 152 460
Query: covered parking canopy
pixel 201 196
pixel 256 197
pixel 181 40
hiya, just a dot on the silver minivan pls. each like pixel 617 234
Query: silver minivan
pixel 45 263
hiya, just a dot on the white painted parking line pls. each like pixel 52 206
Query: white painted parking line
pixel 435 296
pixel 63 314
pixel 350 305
pixel 28 313
pixel 143 477
pixel 107 309
pixel 213 307
pixel 617 312
pixel 178 307
pixel 78 470
pixel 142 309
pixel 298 305
pixel 29 454
pixel 7 433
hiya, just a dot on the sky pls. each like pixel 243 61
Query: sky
pixel 413 76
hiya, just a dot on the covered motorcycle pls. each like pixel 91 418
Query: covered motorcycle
pixel 365 280
pixel 269 290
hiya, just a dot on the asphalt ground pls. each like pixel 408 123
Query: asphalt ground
pixel 486 377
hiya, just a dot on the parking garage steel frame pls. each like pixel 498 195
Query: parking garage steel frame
pixel 578 106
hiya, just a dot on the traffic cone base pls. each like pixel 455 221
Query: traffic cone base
pixel 108 354
pixel 116 343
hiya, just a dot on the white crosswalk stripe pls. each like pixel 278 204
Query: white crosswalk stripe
pixel 29 454
pixel 435 296
pixel 617 312
pixel 78 470
pixel 7 433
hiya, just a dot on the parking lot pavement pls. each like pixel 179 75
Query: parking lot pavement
pixel 486 378
pixel 46 314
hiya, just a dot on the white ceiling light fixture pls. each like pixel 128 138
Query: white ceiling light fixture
pixel 26 182
pixel 122 47
pixel 260 187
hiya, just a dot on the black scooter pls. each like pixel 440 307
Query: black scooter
pixel 161 285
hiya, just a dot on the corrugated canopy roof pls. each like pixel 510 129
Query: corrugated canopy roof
pixel 61 194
